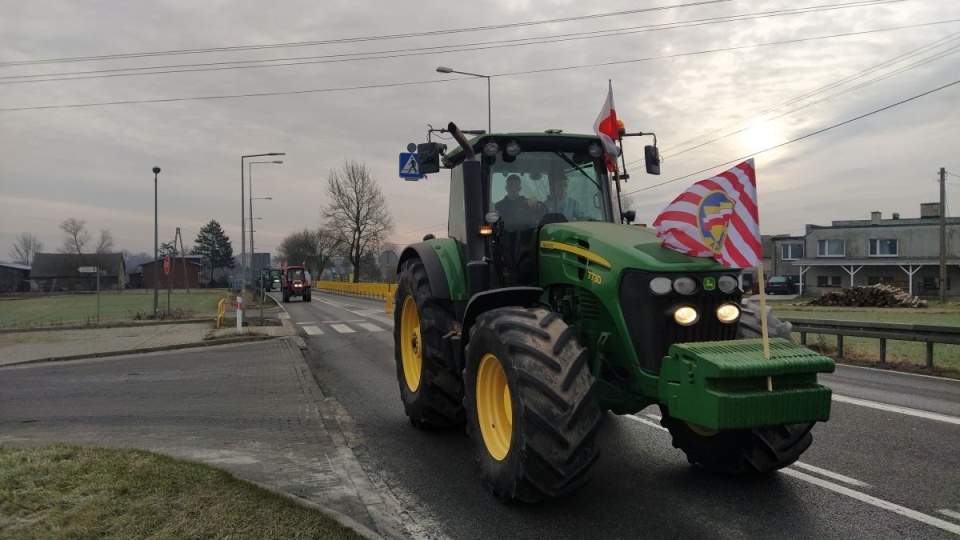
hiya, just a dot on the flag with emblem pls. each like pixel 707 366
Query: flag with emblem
pixel 716 217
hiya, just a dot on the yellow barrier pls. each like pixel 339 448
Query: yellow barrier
pixel 371 290
pixel 221 311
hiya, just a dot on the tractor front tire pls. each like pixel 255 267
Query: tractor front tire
pixel 757 450
pixel 532 411
pixel 306 296
pixel 430 387
pixel 286 296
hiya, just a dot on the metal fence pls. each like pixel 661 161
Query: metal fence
pixel 370 290
pixel 930 335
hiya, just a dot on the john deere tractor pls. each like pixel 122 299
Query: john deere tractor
pixel 527 325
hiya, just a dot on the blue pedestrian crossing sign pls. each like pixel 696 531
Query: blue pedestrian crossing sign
pixel 409 166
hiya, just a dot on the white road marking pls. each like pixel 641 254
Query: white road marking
pixel 308 322
pixel 949 513
pixel 897 409
pixel 371 327
pixel 879 503
pixel 312 330
pixel 342 328
pixel 831 474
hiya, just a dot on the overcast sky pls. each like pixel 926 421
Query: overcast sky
pixel 776 78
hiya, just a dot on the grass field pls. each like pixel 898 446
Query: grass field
pixel 900 354
pixel 66 492
pixel 129 305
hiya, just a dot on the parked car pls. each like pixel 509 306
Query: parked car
pixel 781 285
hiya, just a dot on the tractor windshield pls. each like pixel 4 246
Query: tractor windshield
pixel 534 185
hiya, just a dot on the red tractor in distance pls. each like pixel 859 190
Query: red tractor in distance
pixel 295 281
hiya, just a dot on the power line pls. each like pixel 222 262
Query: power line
pixel 434 81
pixel 359 38
pixel 845 122
pixel 417 51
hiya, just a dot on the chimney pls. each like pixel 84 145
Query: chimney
pixel 929 210
pixel 874 218
pixel 896 215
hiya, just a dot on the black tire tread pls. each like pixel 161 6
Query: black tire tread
pixel 554 400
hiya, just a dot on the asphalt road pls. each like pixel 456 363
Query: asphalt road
pixel 887 465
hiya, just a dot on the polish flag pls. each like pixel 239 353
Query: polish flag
pixel 606 125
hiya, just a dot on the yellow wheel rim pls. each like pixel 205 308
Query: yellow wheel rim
pixel 494 410
pixel 411 346
pixel 702 431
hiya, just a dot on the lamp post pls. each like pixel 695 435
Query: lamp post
pixel 243 223
pixel 156 250
pixel 253 253
pixel 443 69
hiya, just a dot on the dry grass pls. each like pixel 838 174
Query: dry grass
pixel 66 492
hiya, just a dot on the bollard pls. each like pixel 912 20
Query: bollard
pixel 389 296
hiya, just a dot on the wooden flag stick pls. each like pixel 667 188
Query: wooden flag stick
pixel 764 334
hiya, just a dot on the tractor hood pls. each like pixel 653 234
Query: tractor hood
pixel 621 247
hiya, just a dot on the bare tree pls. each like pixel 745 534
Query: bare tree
pixel 26 246
pixel 357 213
pixel 314 247
pixel 76 235
pixel 105 245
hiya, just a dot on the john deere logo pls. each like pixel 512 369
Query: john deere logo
pixel 713 216
pixel 709 284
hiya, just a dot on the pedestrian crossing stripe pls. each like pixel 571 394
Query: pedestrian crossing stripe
pixel 312 330
pixel 371 327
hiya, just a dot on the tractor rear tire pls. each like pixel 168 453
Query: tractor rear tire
pixel 286 296
pixel 532 410
pixel 757 450
pixel 430 386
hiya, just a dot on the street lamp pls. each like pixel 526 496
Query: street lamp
pixel 156 250
pixel 243 223
pixel 443 69
pixel 253 253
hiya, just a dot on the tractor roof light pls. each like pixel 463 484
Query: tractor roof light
pixel 595 150
pixel 686 315
pixel 486 230
pixel 492 217
pixel 513 149
pixel 491 148
pixel 685 285
pixel 728 313
pixel 621 127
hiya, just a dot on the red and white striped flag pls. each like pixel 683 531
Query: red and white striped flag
pixel 716 217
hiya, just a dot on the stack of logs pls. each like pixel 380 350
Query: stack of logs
pixel 879 295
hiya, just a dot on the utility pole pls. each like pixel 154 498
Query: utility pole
pixel 943 234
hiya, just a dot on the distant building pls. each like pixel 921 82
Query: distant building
pixel 184 274
pixel 14 277
pixel 60 272
pixel 856 253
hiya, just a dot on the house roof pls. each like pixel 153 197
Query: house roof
pixel 16 266
pixel 63 265
pixel 873 261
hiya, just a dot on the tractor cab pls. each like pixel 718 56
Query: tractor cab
pixel 527 180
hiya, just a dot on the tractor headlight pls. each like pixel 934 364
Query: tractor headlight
pixel 491 148
pixel 661 285
pixel 728 313
pixel 513 148
pixel 685 315
pixel 727 283
pixel 685 285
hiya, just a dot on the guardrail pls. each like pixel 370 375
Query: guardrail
pixel 370 290
pixel 949 335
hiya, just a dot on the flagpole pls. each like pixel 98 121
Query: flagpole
pixel 764 334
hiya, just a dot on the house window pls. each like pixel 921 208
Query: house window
pixel 883 247
pixel 791 252
pixel 831 248
pixel 828 281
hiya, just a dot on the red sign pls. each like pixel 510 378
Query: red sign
pixel 166 265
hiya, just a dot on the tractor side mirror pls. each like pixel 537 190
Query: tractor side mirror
pixel 629 216
pixel 428 154
pixel 650 154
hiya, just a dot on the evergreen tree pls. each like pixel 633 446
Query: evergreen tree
pixel 215 247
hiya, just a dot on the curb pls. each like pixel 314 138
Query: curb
pixel 105 354
pixel 342 519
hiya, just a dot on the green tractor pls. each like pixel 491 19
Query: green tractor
pixel 526 323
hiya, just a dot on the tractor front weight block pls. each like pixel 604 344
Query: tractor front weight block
pixel 731 385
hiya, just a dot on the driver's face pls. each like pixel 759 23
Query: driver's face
pixel 559 187
pixel 513 187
